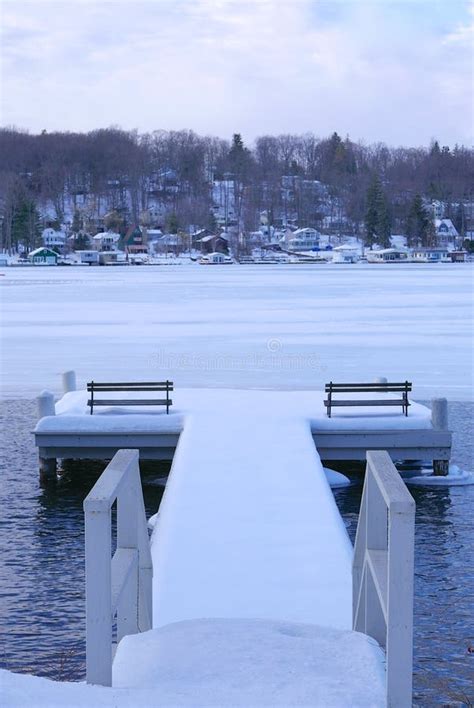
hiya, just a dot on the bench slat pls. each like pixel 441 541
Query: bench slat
pixel 367 402
pixel 100 389
pixel 98 384
pixel 379 387
pixel 370 385
pixel 390 387
pixel 130 402
pixel 96 387
pixel 386 389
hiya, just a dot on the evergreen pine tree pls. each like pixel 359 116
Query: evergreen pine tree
pixel 76 225
pixel 384 221
pixel 371 213
pixel 172 223
pixel 25 223
pixel 420 231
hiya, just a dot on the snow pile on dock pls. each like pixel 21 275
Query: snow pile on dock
pixel 72 412
pixel 223 662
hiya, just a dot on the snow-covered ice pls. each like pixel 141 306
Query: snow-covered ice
pixel 246 326
pixel 456 477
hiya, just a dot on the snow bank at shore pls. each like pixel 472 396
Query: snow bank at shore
pixel 223 662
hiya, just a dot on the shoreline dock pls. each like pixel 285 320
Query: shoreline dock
pixel 66 430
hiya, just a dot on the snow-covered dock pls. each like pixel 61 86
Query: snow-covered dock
pixel 67 431
pixel 254 597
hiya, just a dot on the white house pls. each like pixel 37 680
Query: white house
pixel 154 237
pixel 438 209
pixel 54 239
pixel 386 255
pixel 89 257
pixel 431 255
pixel 445 231
pixel 345 254
pixel 106 241
pixel 307 239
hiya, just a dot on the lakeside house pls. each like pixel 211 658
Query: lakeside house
pixel 431 255
pixel 216 258
pixel 55 240
pixel 458 256
pixel 307 239
pixel 106 241
pixel 214 244
pixel 91 257
pixel 112 257
pixel 345 254
pixel 43 256
pixel 386 255
pixel 135 241
pixel 445 231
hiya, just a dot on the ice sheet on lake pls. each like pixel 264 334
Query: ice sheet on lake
pixel 241 327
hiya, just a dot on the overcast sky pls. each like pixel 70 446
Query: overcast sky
pixel 399 72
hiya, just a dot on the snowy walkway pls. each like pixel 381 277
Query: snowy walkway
pixel 248 526
pixel 249 531
pixel 252 589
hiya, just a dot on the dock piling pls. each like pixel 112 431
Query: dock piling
pixel 47 470
pixel 439 421
pixel 45 403
pixel 69 381
pixel 47 465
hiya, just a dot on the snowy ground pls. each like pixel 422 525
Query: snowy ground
pixel 245 326
pixel 223 662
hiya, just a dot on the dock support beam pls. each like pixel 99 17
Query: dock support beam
pixel 439 421
pixel 69 381
pixel 47 465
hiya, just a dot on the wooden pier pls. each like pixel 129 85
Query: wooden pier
pixel 249 537
pixel 66 431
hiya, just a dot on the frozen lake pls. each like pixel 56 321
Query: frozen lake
pixel 240 326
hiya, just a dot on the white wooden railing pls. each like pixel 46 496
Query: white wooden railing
pixel 121 586
pixel 382 572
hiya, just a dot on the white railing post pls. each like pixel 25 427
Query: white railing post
pixel 383 569
pixel 98 598
pixel 121 585
pixel 399 644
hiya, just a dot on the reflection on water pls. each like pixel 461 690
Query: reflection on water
pixel 42 575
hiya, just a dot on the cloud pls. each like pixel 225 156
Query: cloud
pixel 393 71
pixel 463 35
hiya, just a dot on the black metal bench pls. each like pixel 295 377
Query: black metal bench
pixel 162 386
pixel 338 388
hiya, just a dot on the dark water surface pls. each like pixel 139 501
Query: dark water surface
pixel 42 563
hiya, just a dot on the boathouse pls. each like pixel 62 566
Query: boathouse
pixel 43 256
